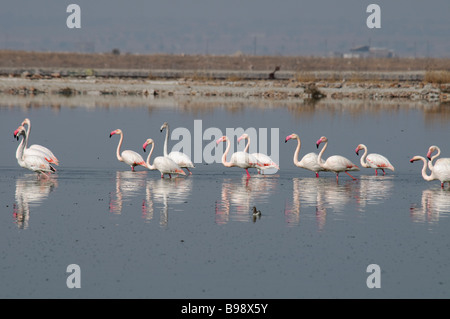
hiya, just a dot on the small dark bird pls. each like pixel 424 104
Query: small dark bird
pixel 256 212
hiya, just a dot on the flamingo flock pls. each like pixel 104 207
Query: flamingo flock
pixel 41 160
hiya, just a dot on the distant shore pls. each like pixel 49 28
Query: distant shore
pixel 71 74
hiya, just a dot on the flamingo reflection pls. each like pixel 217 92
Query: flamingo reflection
pixel 30 192
pixel 374 190
pixel 128 185
pixel 317 193
pixel 173 191
pixel 435 203
pixel 238 196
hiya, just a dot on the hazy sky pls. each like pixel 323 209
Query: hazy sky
pixel 286 27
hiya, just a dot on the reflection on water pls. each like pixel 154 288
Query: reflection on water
pixel 435 204
pixel 238 196
pixel 128 185
pixel 374 190
pixel 165 191
pixel 335 198
pixel 30 192
pixel 131 185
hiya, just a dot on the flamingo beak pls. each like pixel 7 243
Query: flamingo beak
pixel 357 152
pixel 144 146
pixel 287 138
pixel 219 140
pixel 239 139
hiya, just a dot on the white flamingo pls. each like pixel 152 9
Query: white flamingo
pixel 49 156
pixel 26 151
pixel 34 163
pixel 440 171
pixel 373 160
pixel 431 150
pixel 163 164
pixel 335 163
pixel 128 157
pixel 309 161
pixel 238 159
pixel 180 158
pixel 264 161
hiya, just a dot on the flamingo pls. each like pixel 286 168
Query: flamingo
pixel 373 160
pixel 335 163
pixel 263 161
pixel 27 151
pixel 163 164
pixel 49 156
pixel 309 161
pixel 181 159
pixel 431 150
pixel 239 159
pixel 34 163
pixel 128 157
pixel 440 171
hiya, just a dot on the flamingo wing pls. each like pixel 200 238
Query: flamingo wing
pixel 49 156
pixel 37 164
pixel 441 169
pixel 309 162
pixel 378 161
pixel 167 166
pixel 181 159
pixel 337 163
pixel 132 158
pixel 265 161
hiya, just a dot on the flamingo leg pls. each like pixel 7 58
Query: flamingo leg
pixel 384 173
pixel 376 172
pixel 132 168
pixel 317 175
pixel 162 175
pixel 350 175
pixel 190 173
pixel 170 176
pixel 248 175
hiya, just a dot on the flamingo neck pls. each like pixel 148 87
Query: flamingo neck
pixel 424 171
pixel 147 162
pixel 363 158
pixel 119 157
pixel 297 151
pixel 166 153
pixel 319 157
pixel 248 145
pixel 224 156
pixel 21 148
pixel 430 163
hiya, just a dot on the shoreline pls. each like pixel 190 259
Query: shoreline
pixel 223 84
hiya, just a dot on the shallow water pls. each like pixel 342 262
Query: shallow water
pixel 135 235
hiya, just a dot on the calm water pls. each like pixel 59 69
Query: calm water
pixel 137 236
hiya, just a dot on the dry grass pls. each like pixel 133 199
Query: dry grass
pixel 438 77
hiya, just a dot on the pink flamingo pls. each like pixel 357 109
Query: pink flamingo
pixel 335 163
pixel 309 161
pixel 128 157
pixel 35 148
pixel 180 158
pixel 263 161
pixel 373 160
pixel 238 159
pixel 34 163
pixel 440 171
pixel 163 164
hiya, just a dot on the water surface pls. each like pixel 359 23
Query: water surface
pixel 135 235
